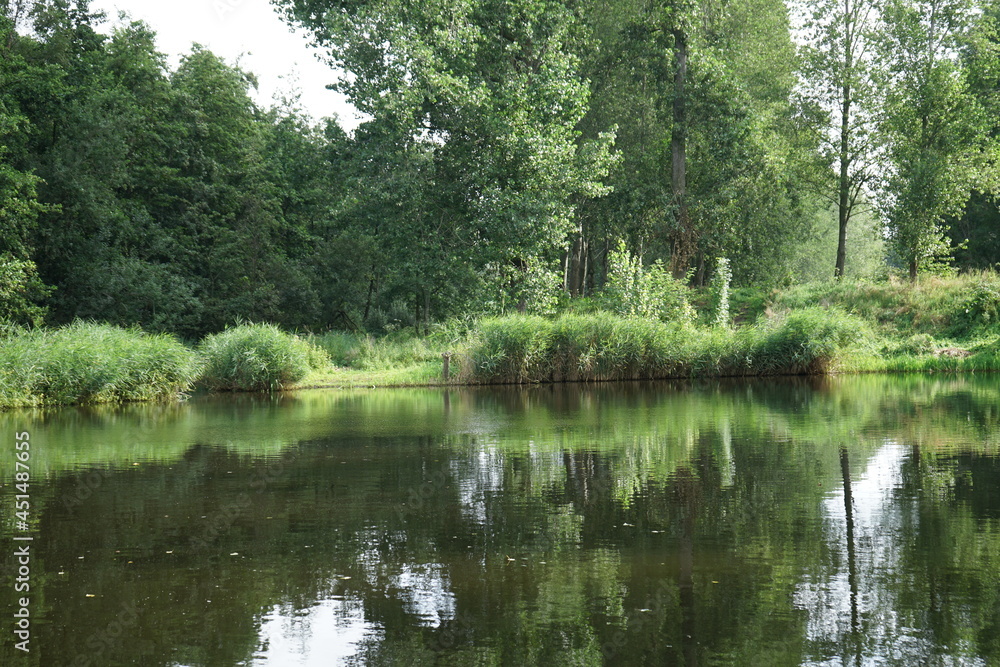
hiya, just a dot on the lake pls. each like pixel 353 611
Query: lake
pixel 828 521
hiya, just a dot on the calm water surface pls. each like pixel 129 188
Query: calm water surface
pixel 844 521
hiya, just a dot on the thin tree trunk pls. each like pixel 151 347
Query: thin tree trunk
pixel 844 182
pixel 368 299
pixel 427 310
pixel 852 569
pixel 682 250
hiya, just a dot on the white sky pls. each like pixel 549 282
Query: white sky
pixel 246 30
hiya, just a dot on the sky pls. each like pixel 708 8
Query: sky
pixel 248 32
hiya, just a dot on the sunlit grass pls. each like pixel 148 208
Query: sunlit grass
pixel 257 357
pixel 602 346
pixel 92 363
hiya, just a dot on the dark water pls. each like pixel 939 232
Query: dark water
pixel 844 521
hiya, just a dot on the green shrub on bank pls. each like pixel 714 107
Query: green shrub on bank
pixel 515 348
pixel 257 357
pixel 91 363
pixel 980 309
pixel 803 342
pixel 603 346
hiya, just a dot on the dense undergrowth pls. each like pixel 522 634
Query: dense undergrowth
pixel 605 347
pixel 91 363
pixel 257 357
pixel 935 324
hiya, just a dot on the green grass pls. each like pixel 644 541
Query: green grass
pixel 257 357
pixel 365 352
pixel 519 349
pixel 91 363
pixel 933 325
pixel 954 308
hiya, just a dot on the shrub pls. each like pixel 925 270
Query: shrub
pixel 92 363
pixel 607 347
pixel 516 348
pixel 650 292
pixel 981 308
pixel 801 342
pixel 917 344
pixel 719 290
pixel 256 357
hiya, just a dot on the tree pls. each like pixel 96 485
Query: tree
pixel 936 132
pixel 491 90
pixel 840 88
pixel 732 135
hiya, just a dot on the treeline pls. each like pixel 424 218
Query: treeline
pixel 511 147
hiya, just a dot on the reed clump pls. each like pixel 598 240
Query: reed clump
pixel 257 357
pixel 86 362
pixel 603 346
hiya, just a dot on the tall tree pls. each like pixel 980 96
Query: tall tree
pixel 840 82
pixel 936 131
pixel 492 89
pixel 740 159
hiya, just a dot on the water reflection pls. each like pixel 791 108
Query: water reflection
pixel 842 521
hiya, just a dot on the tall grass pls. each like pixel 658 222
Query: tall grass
pixel 602 346
pixel 953 307
pixel 365 352
pixel 91 363
pixel 257 357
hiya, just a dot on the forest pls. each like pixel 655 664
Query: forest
pixel 518 156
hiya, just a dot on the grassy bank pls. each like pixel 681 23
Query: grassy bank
pixel 935 325
pixel 605 347
pixel 91 363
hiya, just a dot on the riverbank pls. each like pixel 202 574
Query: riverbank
pixel 934 325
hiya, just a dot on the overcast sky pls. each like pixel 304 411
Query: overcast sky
pixel 246 29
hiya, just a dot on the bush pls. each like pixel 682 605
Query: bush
pixel 917 344
pixel 516 348
pixel 650 292
pixel 91 363
pixel 799 343
pixel 607 347
pixel 981 308
pixel 257 357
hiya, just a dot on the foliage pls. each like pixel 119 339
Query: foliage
pixel 366 352
pixel 518 155
pixel 941 307
pixel 981 305
pixel 21 292
pixel 603 346
pixel 633 290
pixel 840 101
pixel 719 290
pixel 805 341
pixel 92 363
pixel 936 130
pixel 257 357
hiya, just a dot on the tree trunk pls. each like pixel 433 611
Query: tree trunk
pixel 852 568
pixel 575 265
pixel 368 299
pixel 684 241
pixel 427 310
pixel 844 182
